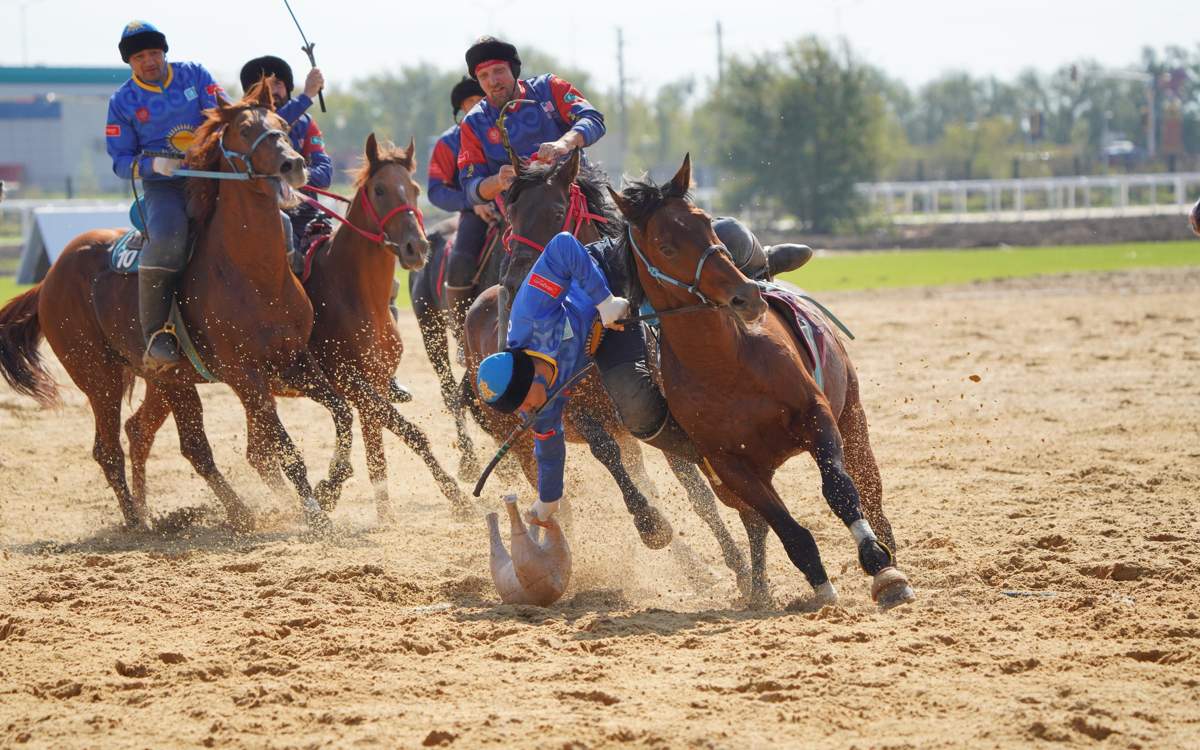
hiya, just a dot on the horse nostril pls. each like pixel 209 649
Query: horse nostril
pixel 287 167
pixel 737 301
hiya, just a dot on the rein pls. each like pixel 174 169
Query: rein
pixel 578 214
pixel 665 278
pixel 379 236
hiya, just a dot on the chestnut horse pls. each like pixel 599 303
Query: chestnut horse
pixel 354 339
pixel 543 201
pixel 247 315
pixel 737 381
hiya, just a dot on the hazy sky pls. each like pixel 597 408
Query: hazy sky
pixel 664 41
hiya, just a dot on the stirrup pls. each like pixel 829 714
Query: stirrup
pixel 168 328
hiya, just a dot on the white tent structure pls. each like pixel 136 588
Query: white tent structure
pixel 50 228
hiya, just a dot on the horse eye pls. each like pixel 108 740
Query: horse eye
pixel 379 191
pixel 668 250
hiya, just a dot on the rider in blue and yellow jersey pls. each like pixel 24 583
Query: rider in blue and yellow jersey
pixel 157 109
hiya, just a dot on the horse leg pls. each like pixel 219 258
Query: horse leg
pixel 194 445
pixel 140 428
pixel 262 457
pixel 752 486
pixel 307 377
pixel 104 387
pixel 437 347
pixel 890 587
pixel 370 400
pixel 704 503
pixel 651 525
pixel 632 459
pixel 864 471
pixel 263 421
pixel 372 432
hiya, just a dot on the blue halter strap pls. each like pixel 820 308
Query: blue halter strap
pixel 665 278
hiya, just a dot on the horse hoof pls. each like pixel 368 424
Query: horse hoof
pixel 891 589
pixel 318 523
pixel 386 514
pixel 242 522
pixel 327 493
pixel 823 596
pixel 654 529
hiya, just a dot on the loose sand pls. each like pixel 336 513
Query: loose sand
pixel 1068 474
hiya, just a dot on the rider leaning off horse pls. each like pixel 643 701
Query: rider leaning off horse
pixel 158 109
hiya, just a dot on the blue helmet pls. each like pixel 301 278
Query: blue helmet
pixel 139 35
pixel 503 379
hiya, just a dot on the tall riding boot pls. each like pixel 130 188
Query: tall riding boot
pixel 156 290
pixel 787 257
pixel 670 438
pixel 458 301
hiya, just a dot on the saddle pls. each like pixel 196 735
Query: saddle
pixel 809 322
pixel 317 234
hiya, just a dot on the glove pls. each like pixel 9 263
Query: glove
pixel 164 166
pixel 611 310
pixel 541 512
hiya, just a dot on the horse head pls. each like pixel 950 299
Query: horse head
pixel 536 208
pixel 248 137
pixel 671 235
pixel 388 191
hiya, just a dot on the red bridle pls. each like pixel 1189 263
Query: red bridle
pixel 577 214
pixel 379 236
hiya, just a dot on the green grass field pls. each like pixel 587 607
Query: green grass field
pixel 873 270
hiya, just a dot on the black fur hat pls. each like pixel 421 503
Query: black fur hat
pixel 462 91
pixel 491 48
pixel 139 35
pixel 266 65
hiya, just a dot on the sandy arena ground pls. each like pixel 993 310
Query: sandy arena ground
pixel 1068 474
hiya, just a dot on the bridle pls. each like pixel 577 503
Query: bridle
pixel 665 278
pixel 379 236
pixel 578 214
pixel 247 158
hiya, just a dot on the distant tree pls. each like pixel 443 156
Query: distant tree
pixel 803 127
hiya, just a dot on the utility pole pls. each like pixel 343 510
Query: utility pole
pixel 624 120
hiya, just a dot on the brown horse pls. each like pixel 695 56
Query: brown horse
pixel 543 201
pixel 736 380
pixel 353 337
pixel 248 316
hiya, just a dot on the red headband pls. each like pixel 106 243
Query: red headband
pixel 487 64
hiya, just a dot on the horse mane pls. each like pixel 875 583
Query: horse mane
pixel 205 152
pixel 643 197
pixel 592 182
pixel 389 153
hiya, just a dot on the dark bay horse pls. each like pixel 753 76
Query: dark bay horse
pixel 425 287
pixel 354 339
pixel 245 311
pixel 545 200
pixel 737 381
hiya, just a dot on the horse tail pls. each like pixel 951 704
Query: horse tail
pixel 21 364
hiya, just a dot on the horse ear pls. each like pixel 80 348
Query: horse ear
pixel 622 202
pixel 682 181
pixel 372 150
pixel 568 170
pixel 410 150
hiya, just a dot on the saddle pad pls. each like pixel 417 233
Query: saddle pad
pixel 126 253
pixel 807 323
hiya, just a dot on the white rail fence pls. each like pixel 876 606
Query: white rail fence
pixel 1033 199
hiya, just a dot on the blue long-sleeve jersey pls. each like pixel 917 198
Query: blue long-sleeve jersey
pixel 147 117
pixel 553 319
pixel 560 108
pixel 444 190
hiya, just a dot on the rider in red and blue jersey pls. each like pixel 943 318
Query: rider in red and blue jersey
pixel 560 121
pixel 303 132
pixel 158 109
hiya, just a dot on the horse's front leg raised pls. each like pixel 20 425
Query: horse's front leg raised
pixel 307 377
